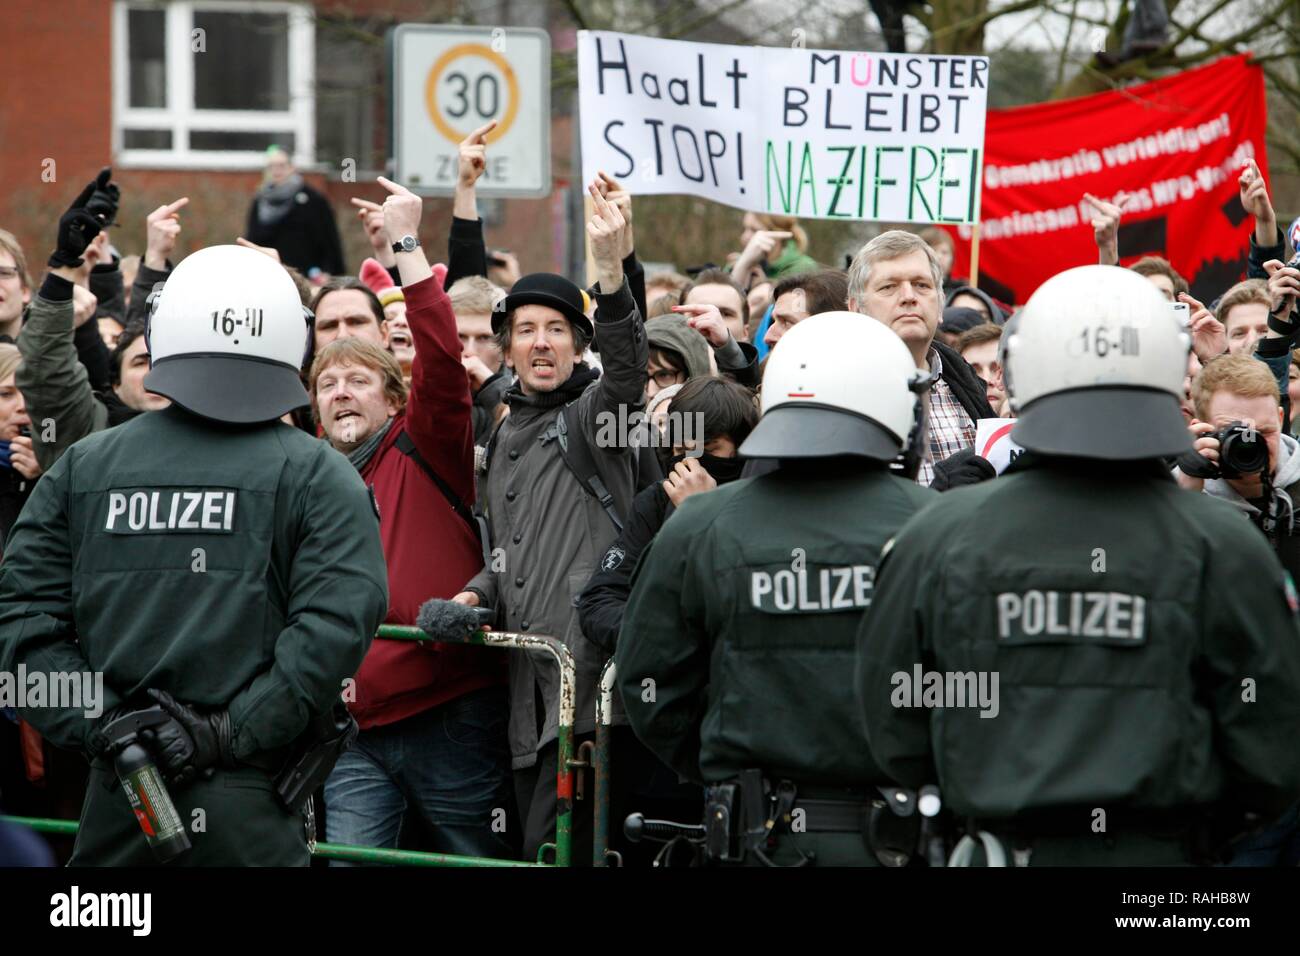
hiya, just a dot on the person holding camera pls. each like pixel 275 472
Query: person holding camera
pixel 1241 454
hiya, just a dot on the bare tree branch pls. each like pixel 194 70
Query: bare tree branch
pixel 981 20
pixel 1065 46
pixel 1216 47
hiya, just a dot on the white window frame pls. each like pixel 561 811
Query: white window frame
pixel 179 115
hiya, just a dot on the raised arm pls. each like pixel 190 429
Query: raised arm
pixel 623 346
pixel 1266 242
pixel 438 412
pixel 466 251
pixel 1105 226
pixel 162 229
pixel 633 271
pixel 53 381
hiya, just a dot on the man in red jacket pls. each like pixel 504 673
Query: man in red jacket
pixel 433 717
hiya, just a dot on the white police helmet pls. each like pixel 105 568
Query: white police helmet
pixel 840 384
pixel 227 337
pixel 1094 367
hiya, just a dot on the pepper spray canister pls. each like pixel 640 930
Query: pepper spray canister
pixel 144 785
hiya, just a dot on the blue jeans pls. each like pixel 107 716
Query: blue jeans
pixel 450 765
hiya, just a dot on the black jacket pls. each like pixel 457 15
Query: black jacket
pixel 603 601
pixel 306 238
pixel 118 410
pixel 486 400
pixel 965 384
pixel 14 489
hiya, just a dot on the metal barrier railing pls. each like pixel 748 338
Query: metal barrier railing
pixel 601 854
pixel 563 845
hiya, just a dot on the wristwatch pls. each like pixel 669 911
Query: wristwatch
pixel 406 244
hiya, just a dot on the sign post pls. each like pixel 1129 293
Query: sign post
pixel 449 80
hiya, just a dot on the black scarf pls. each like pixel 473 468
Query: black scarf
pixel 583 375
pixel 118 410
pixel 721 470
pixel 361 455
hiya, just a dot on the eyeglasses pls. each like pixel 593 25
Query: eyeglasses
pixel 667 377
pixel 8 272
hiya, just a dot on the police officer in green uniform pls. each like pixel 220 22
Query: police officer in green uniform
pixel 1141 641
pixel 207 558
pixel 735 659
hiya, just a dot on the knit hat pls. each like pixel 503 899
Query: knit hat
pixel 381 283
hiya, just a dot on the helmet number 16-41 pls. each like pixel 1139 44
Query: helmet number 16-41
pixel 227 322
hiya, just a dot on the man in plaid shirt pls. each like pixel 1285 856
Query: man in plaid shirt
pixel 897 280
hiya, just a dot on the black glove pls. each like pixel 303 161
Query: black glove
pixel 963 468
pixel 192 743
pixel 1195 465
pixel 89 213
pixel 105 199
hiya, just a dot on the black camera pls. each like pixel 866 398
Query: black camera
pixel 1241 451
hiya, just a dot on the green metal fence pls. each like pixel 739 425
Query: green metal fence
pixel 327 851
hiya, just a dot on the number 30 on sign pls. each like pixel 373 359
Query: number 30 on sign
pixel 447 82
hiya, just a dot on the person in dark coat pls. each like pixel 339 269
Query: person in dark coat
pixel 551 532
pixel 723 414
pixel 294 219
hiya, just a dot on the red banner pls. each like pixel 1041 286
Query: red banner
pixel 1178 143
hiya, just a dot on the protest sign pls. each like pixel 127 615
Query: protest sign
pixel 810 133
pixel 993 442
pixel 1178 144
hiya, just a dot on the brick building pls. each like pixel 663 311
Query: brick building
pixel 184 96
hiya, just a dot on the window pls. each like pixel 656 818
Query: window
pixel 212 83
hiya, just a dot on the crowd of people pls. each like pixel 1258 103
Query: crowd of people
pixel 478 414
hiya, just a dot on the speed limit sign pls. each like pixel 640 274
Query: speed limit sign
pixel 447 81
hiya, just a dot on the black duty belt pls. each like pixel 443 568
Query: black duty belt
pixel 746 814
pixel 834 816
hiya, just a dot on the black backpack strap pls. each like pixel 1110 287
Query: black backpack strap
pixel 477 524
pixel 576 454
